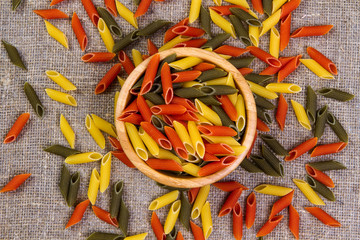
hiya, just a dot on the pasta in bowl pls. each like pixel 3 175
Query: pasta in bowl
pixel 183 127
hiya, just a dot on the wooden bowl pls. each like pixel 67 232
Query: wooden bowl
pixel 186 181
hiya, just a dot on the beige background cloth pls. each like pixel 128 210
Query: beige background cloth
pixel 37 210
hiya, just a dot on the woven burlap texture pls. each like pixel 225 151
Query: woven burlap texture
pixel 37 210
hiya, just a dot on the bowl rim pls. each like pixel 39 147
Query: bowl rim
pixel 187 182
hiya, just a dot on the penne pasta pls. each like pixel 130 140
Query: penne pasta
pixel 277 4
pixel 83 158
pixel 196 139
pixel 157 227
pixel 141 236
pixel 311 31
pixel 14 55
pixel 294 221
pixel 78 213
pixel 323 216
pixel 93 186
pixel 125 13
pixel 91 11
pixel 208 113
pixel 136 55
pixel 111 7
pixel 272 190
pixel 104 216
pixel 264 56
pixel 274 45
pixel 104 125
pixel 172 216
pixel 242 3
pixel 229 186
pixel 269 226
pixel 34 99
pixel 285 27
pixel 164 200
pixel 328 149
pixel 67 131
pixel 105 172
pixel 61 97
pixel 108 78
pixel 105 35
pixel 60 80
pixel 281 204
pixel 216 166
pixel 205 20
pixel 56 34
pixel 194 10
pixel 149 142
pixel 116 199
pixel 191 169
pixel 301 149
pixel 142 8
pixel 125 41
pixel 308 192
pixel 230 202
pixel 248 16
pixel 289 68
pixel 281 112
pixel 169 34
pixel 206 220
pixel 322 60
pixel 197 231
pixel 222 23
pixel 267 5
pixel 136 141
pixel 109 20
pixel 254 35
pixel 150 74
pixel 237 221
pixel 79 31
pixel 301 115
pixel 250 210
pixel 200 201
pixel 283 87
pixel 258 6
pixel 317 68
pixel 216 41
pixel 94 132
pixel 270 22
pixel 15 182
pixel 262 91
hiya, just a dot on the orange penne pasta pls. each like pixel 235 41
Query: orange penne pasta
pixel 78 213
pixel 115 143
pixel 269 226
pixel 294 221
pixel 285 25
pixel 176 142
pixel 51 13
pixel 152 49
pixel 179 236
pixel 229 186
pixel 108 79
pixel 228 107
pixel 105 216
pixel 143 108
pixel 111 6
pixel 264 56
pixel 322 60
pixel 79 31
pixel 123 158
pixel 187 116
pixel 150 74
pixel 142 8
pixel 225 10
pixel 217 130
pixel 253 143
pixel 131 118
pixel 188 31
pixel 323 216
pixel 192 193
pixel 15 182
pixel 156 135
pixel 281 112
pixel 54 2
pixel 126 62
pixel 166 82
pixel 214 167
pixel 281 204
pixel 184 102
pixel 301 149
pixel 328 149
pixel 288 7
pixel 289 68
pixel 309 31
pixel 185 76
pixel 157 227
pixel 230 202
pixel 273 70
pixel 258 6
pixel 204 67
pixel 245 71
pixel 98 57
pixel 261 126
pixel 196 231
pixel 196 43
pixel 168 109
pixel 218 148
pixel 164 164
pixel 169 34
pixel 16 128
pixel 237 221
pixel 208 157
pixel 250 210
pixel 131 108
pixel 320 176
pixel 91 11
pixel 231 51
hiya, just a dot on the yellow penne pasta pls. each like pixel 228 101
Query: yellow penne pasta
pixel 137 58
pixel 230 82
pixel 93 186
pixel 94 132
pixel 56 34
pixel 208 113
pixel 125 13
pixel 222 23
pixel 60 80
pixel 83 158
pixel 184 137
pixel 141 236
pixel 238 149
pixel 67 131
pixel 216 81
pixel 185 63
pixel 308 192
pixel 61 97
pixel 283 87
pixel 224 56
pixel 104 125
pixel 270 22
pixel 206 220
pixel 194 10
pixel 261 91
pixel 164 200
pixel 172 216
pixel 165 154
pixel 173 42
pixel 239 2
pixel 218 2
pixel 221 139
pixel 254 35
pixel 149 142
pixel 191 169
pixel 272 190
pixel 301 115
pixel 192 84
pixel 105 35
pixel 241 114
pixel 196 139
pixel 121 80
pixel 274 46
pixel 116 97
pixel 317 68
pixel 136 141
pixel 202 120
pixel 276 4
pixel 200 201
pixel 105 172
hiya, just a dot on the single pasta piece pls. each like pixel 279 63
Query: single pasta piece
pixel 194 10
pixel 142 8
pixel 230 202
pixel 156 135
pixel 131 118
pixel 105 172
pixel 60 80
pixel 274 45
pixel 229 186
pixel 270 22
pixel 93 186
pixel 164 164
pixel 191 169
pixel 316 68
pixel 176 142
pixel 285 26
pixel 323 216
pixel 261 126
pixel 192 193
pixel 197 231
pixel 185 63
pixel 67 131
pixel 16 128
pixel 188 31
pixel 328 149
pixel 157 227
pixel 273 70
pixel 78 213
pixel 237 221
pixel 61 97
pixel 15 182
pixel 123 158
pixel 301 114
pixel 115 143
pixel 149 142
pixel 51 13
pixel 196 139
pixel 231 51
pixel 269 226
pixel 283 87
pixel 281 112
pixel 250 210
pixel 264 56
pixel 152 49
pixel 272 190
pixel 54 2
pixel 301 149
pixel 294 221
pixel 208 113
pixel 150 74
pixel 241 113
pixel 228 107
pixel 196 43
pixel 184 136
pixel 14 55
pixel 136 141
pixel 94 132
pixel 217 130
pixel 200 201
pixel 169 34
pixel 125 13
pixel 104 125
pixel 108 78
pixel 172 216
pixel 111 6
pixel 222 23
pixel 289 67
pixel 185 76
pixel 308 192
pixel 311 31
pixel 136 55
pixel 105 35
pixel 206 220
pixel 83 158
pixel 91 11
pixel 320 176
pixel 288 7
pixel 56 34
pixel 164 200
pixel 98 57
pixel 254 34
pixel 105 216
pixel 262 91
pixel 322 60
pixel 141 236
pixel 281 204
pixel 143 108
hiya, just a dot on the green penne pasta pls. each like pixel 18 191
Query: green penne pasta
pixel 109 21
pixel 263 103
pixel 185 211
pixel 311 104
pixel 321 117
pixel 190 92
pixel 272 160
pixel 216 41
pixel 136 2
pixel 153 27
pixel 154 98
pixel 168 59
pixel 13 52
pixel 218 90
pixel 123 218
pixel 274 144
pixel 225 120
pixel 209 100
pixel 263 115
pixel 327 165
pixel 171 188
pixel 15 4
pixel 264 165
pixel 246 17
pixel 34 99
pixel 205 22
pixel 240 30
pixel 61 150
pixel 248 166
pixel 212 74
pixel 335 94
pixel 74 185
pixel 64 181
pixel 124 42
pixel 156 88
pixel 337 127
pixel 241 62
pixel 116 198
pixel 320 188
pixel 104 236
pixel 171 235
pixel 267 6
pixel 158 123
pixel 137 85
pixel 259 79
